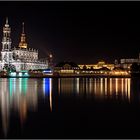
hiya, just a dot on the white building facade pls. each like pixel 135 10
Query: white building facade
pixel 126 63
pixel 19 58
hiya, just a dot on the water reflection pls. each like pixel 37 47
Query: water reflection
pixel 23 95
pixel 5 105
pixel 47 89
pixel 134 95
pixel 100 87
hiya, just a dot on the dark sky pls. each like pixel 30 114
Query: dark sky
pixel 83 32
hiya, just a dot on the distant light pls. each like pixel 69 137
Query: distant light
pixel 50 55
pixel 24 70
pixel 47 71
pixel 13 74
pixel 26 74
pixel 46 86
pixel 20 74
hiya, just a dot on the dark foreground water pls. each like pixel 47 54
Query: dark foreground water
pixel 70 108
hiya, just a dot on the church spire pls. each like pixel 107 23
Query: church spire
pixel 23 43
pixel 22 27
pixel 6 24
pixel 6 20
pixel 6 40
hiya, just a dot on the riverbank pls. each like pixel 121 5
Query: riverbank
pixel 68 76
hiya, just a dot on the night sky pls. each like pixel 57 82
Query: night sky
pixel 83 32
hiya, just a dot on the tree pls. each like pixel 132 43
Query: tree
pixel 9 67
pixel 135 68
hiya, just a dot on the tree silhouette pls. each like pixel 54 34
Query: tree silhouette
pixel 9 67
pixel 135 69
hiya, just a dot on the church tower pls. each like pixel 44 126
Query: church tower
pixel 6 40
pixel 23 43
pixel 6 53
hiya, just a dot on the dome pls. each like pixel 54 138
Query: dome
pixel 101 62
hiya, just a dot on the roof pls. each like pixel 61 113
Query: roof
pixel 105 68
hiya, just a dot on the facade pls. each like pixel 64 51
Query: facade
pixel 66 68
pixel 119 71
pixel 19 58
pixel 99 65
pixel 126 63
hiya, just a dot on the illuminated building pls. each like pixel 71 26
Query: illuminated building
pixel 118 71
pixel 66 68
pixel 19 58
pixel 101 68
pixel 99 65
pixel 126 63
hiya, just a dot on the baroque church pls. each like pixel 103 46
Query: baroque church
pixel 19 58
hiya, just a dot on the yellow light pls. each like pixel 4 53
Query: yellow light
pixel 105 85
pixel 101 85
pixel 122 85
pixel 110 85
pixel 77 85
pixel 50 55
pixel 116 84
pixel 129 83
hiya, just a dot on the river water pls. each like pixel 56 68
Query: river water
pixel 69 108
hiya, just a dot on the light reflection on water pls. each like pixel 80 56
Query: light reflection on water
pixel 100 87
pixel 22 94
